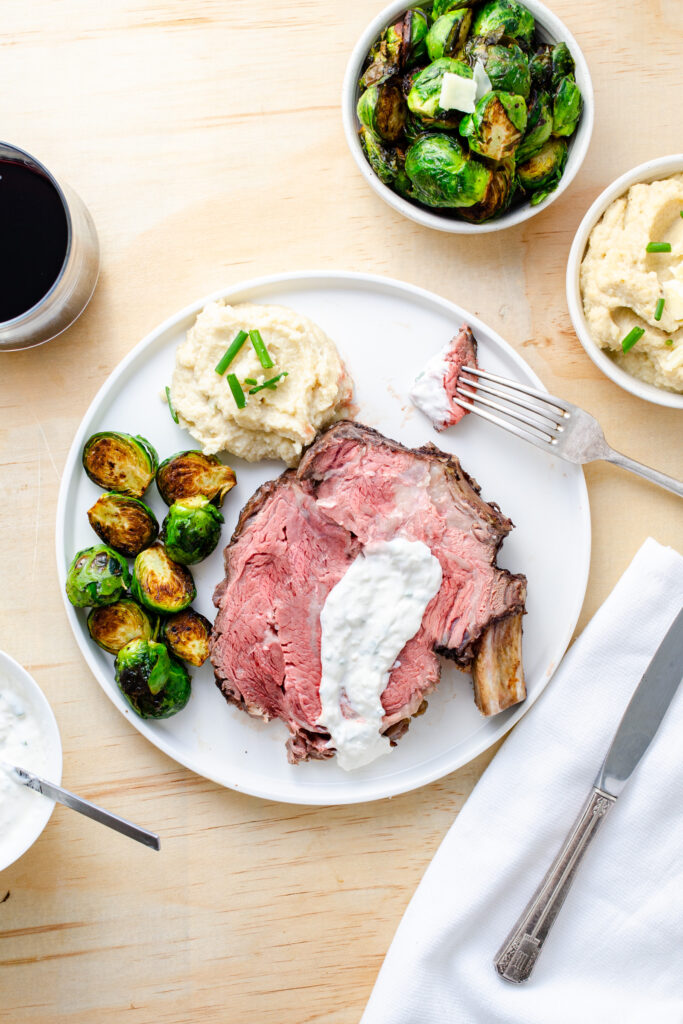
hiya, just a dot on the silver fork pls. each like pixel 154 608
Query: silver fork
pixel 550 423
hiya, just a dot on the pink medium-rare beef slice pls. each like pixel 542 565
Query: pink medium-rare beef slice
pixel 378 489
pixel 283 560
pixel 435 386
pixel 296 538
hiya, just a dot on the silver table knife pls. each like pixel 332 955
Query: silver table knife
pixel 517 956
pixel 63 796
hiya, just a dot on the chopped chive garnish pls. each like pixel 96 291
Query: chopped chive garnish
pixel 261 350
pixel 670 341
pixel 634 335
pixel 681 213
pixel 659 309
pixel 237 393
pixel 172 411
pixel 658 247
pixel 232 352
pixel 270 384
pixel 250 380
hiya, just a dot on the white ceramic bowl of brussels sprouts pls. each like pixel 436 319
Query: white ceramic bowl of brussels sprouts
pixel 549 29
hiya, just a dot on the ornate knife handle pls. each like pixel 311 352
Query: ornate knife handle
pixel 517 956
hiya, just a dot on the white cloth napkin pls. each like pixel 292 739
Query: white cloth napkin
pixel 615 954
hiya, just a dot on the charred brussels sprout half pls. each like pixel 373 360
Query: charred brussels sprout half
pixel 125 524
pixel 191 529
pixel 542 172
pixel 405 41
pixel 550 64
pixel 120 462
pixel 443 175
pixel 506 66
pixel 97 576
pixel 567 104
pixel 380 67
pixel 496 126
pixel 504 19
pixel 387 162
pixel 153 683
pixel 190 473
pixel 447 35
pixel 115 625
pixel 539 126
pixel 161 584
pixel 423 98
pixel 187 634
pixel 382 109
pixel 498 196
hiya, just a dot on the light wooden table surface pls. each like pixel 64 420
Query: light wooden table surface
pixel 206 139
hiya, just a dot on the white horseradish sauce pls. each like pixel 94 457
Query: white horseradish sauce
pixel 366 621
pixel 22 744
pixel 428 392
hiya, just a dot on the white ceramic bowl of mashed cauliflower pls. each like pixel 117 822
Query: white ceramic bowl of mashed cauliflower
pixel 29 738
pixel 619 288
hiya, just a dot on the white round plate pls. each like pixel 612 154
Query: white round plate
pixel 385 331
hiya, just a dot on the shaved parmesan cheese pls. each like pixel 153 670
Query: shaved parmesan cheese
pixel 481 80
pixel 457 93
pixel 673 296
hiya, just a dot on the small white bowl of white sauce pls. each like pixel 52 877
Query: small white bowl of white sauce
pixel 29 738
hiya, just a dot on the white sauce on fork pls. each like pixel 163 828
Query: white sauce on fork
pixel 367 619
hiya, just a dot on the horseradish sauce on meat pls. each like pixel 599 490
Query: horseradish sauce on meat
pixel 22 744
pixel 366 621
pixel 429 394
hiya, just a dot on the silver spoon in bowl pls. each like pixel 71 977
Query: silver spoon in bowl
pixel 63 796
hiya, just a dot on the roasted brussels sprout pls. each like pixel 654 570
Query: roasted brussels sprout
pixel 498 196
pixel 191 529
pixel 550 64
pixel 115 625
pixel 444 6
pixel 126 524
pixel 380 67
pixel 387 162
pixel 442 173
pixel 97 576
pixel 506 66
pixel 542 172
pixel 189 473
pixel 382 109
pixel 423 98
pixel 496 126
pixel 447 35
pixel 187 634
pixel 567 105
pixel 405 41
pixel 120 463
pixel 153 683
pixel 504 19
pixel 161 584
pixel 539 126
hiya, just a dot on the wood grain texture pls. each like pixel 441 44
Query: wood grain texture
pixel 206 139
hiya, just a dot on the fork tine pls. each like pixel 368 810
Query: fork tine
pixel 527 403
pixel 541 431
pixel 512 428
pixel 542 396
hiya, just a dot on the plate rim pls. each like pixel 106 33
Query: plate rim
pixel 381 789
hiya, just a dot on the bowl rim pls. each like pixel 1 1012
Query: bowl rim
pixel 556 29
pixel 54 746
pixel 650 170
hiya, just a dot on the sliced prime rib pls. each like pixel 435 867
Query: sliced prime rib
pixel 296 538
pixel 435 386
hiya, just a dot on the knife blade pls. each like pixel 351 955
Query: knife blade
pixel 645 711
pixel 77 803
pixel 516 958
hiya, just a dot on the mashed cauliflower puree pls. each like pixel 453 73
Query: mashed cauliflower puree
pixel 622 283
pixel 275 424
